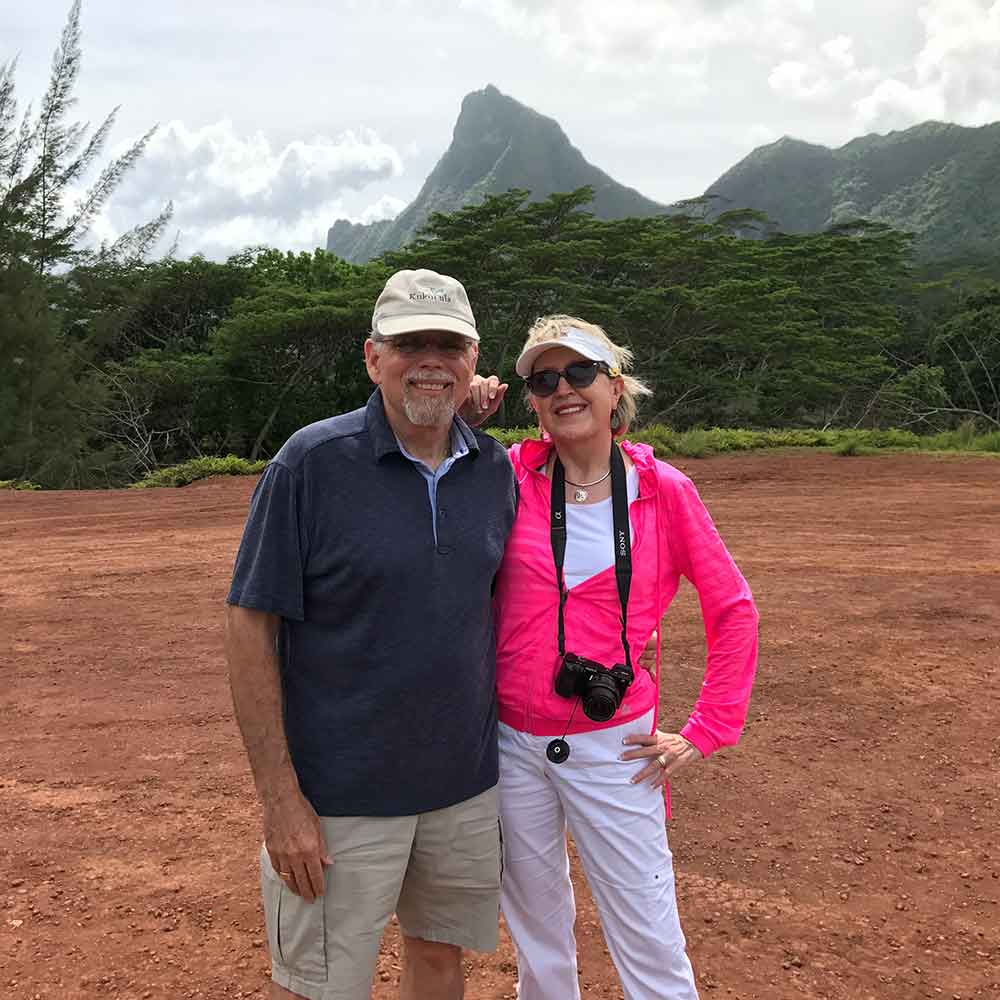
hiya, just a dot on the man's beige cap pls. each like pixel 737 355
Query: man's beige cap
pixel 422 300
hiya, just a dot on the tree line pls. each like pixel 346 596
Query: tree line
pixel 112 364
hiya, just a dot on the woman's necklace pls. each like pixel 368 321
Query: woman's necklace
pixel 580 494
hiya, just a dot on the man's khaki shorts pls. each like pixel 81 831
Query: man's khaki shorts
pixel 439 871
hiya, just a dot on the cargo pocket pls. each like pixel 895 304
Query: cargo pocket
pixel 296 930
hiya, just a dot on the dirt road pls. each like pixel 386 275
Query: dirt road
pixel 847 849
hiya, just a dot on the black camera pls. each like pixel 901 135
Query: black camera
pixel 600 689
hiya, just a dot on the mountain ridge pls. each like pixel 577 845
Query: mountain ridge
pixel 938 180
pixel 497 144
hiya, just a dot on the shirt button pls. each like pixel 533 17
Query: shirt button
pixel 440 511
pixel 444 550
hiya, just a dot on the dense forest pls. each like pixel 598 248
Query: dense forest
pixel 112 364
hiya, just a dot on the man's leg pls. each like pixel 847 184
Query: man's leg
pixel 431 971
pixel 280 993
pixel 450 897
pixel 328 949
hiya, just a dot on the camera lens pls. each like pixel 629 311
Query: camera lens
pixel 601 699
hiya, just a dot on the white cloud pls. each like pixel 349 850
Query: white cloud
pixel 840 51
pixel 956 74
pixel 230 190
pixel 895 105
pixel 386 207
pixel 634 36
pixel 798 80
pixel 665 95
pixel 826 72
pixel 760 135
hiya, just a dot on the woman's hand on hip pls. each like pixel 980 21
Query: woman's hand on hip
pixel 666 754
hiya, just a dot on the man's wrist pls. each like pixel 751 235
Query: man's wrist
pixel 279 791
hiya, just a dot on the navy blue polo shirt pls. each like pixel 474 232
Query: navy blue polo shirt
pixel 386 647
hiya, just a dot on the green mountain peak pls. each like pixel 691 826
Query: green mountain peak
pixel 498 144
pixel 938 180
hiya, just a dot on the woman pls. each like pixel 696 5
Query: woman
pixel 579 743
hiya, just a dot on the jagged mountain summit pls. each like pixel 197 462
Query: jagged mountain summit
pixel 936 180
pixel 498 144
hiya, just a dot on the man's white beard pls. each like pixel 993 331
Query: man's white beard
pixel 429 412
pixel 426 411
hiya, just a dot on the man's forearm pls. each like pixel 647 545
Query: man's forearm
pixel 255 681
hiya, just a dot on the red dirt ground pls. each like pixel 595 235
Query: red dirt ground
pixel 847 849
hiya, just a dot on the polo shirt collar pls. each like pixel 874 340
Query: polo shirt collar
pixel 384 440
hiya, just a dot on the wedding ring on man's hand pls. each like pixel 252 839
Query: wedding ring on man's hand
pixel 284 874
pixel 662 761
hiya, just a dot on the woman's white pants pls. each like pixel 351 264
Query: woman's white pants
pixel 620 834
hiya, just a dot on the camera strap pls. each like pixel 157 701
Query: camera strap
pixel 622 540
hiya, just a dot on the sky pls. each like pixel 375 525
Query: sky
pixel 276 119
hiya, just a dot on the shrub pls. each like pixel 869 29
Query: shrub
pixel 695 443
pixel 988 442
pixel 662 439
pixel 512 435
pixel 665 442
pixel 200 468
pixel 851 445
pixel 18 484
pixel 963 438
pixel 699 442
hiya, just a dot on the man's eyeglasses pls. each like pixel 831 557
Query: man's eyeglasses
pixel 450 346
pixel 578 375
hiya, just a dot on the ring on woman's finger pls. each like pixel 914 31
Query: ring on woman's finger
pixel 284 874
pixel 662 761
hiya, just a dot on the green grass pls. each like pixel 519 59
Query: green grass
pixel 853 445
pixel 699 442
pixel 199 468
pixel 18 484
pixel 964 440
pixel 511 435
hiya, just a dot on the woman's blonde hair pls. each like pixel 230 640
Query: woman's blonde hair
pixel 558 325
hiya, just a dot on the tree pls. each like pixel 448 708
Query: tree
pixel 958 377
pixel 291 353
pixel 773 329
pixel 47 431
pixel 43 157
pixel 41 435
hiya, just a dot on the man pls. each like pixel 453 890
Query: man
pixel 361 657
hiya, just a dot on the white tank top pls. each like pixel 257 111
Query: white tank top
pixel 590 544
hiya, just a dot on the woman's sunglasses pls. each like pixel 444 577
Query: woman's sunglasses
pixel 578 374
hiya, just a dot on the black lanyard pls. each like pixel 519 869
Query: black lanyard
pixel 622 537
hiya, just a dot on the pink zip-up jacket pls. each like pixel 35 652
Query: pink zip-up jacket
pixel 673 536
